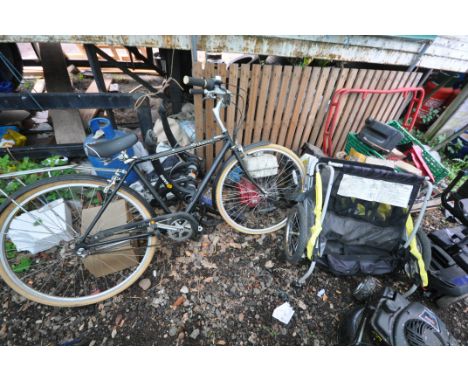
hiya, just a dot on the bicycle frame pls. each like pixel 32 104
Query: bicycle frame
pixel 117 181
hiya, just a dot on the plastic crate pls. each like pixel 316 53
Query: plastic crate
pixel 439 171
pixel 354 142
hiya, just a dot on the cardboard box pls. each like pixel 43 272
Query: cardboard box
pixel 408 167
pixel 380 162
pixel 121 256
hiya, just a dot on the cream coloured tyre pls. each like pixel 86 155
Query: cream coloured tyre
pixel 39 258
pixel 246 209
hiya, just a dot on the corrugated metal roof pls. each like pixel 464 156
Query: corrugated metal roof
pixel 445 52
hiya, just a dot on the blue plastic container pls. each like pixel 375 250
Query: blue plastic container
pixel 105 126
pixel 4 129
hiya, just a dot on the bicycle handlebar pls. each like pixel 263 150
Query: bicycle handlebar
pixel 208 84
pixel 197 91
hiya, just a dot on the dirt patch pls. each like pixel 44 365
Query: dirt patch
pixel 220 290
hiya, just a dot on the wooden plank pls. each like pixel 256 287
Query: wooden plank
pixel 393 84
pixel 262 100
pixel 68 126
pixel 197 71
pixel 387 83
pixel 233 88
pixel 358 120
pixel 431 204
pixel 272 101
pixel 285 84
pixel 401 100
pixel 297 72
pixel 114 53
pixel 88 114
pixel 412 82
pixel 317 127
pixel 303 86
pixel 347 103
pixel 309 98
pixel 311 130
pixel 373 99
pixel 349 112
pixel 355 109
pixel 407 80
pixel 332 79
pixel 253 98
pixel 242 97
pixel 390 100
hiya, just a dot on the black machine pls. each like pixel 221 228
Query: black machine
pixel 380 135
pixel 395 321
pixel 448 272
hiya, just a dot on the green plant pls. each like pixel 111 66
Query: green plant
pixel 430 116
pixel 8 165
pixel 454 166
pixel 306 61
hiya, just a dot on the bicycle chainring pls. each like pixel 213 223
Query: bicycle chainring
pixel 187 226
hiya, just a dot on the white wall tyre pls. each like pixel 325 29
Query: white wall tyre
pixel 252 213
pixel 57 276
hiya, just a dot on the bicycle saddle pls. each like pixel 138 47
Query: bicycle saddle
pixel 107 149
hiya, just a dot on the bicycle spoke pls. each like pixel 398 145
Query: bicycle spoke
pixel 60 272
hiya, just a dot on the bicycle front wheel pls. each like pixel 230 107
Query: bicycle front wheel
pixel 296 235
pixel 40 257
pixel 243 206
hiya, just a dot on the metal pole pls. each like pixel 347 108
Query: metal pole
pixel 98 77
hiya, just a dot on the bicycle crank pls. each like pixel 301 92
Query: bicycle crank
pixel 178 226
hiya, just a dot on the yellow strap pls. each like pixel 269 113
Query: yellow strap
pixel 415 252
pixel 317 227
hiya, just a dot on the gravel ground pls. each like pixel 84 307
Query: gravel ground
pixel 219 290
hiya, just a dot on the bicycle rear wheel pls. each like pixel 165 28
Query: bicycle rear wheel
pixel 39 256
pixel 241 204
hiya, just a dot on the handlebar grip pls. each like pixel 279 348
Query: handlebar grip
pixel 197 91
pixel 193 81
pixel 207 84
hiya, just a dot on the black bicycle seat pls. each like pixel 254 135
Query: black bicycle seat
pixel 107 149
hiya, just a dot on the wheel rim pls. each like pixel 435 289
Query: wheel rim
pixel 57 275
pixel 292 234
pixel 244 208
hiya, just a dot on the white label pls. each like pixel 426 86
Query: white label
pixel 373 190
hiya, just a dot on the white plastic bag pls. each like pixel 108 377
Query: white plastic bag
pixel 39 230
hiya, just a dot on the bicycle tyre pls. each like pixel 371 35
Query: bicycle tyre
pixel 262 225
pixel 296 234
pixel 29 196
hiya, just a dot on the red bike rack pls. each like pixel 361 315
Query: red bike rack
pixel 333 111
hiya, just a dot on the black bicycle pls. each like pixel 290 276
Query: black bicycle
pixel 75 240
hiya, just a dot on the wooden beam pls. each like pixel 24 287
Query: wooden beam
pixel 68 126
pixel 88 114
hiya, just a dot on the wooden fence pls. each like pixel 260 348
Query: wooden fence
pixel 287 105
